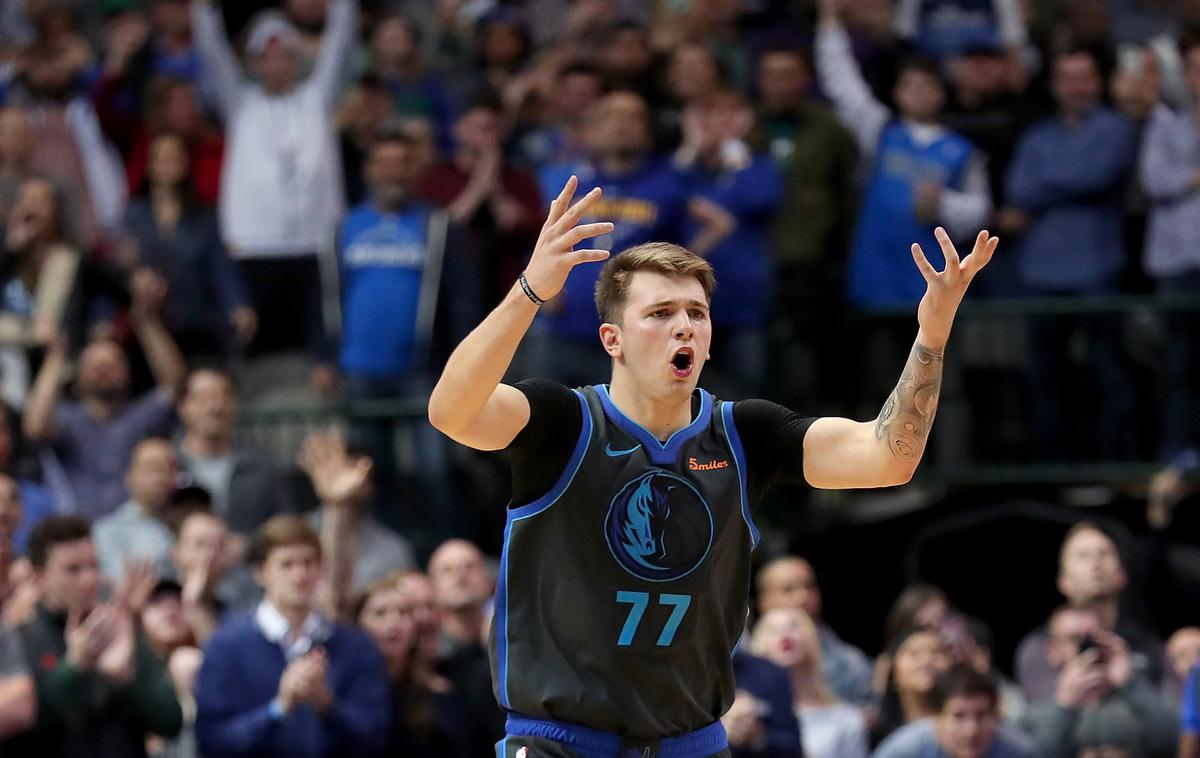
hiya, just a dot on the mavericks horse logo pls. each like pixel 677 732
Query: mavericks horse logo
pixel 659 528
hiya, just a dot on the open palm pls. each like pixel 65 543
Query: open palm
pixel 945 289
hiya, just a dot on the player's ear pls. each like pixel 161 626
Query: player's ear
pixel 610 338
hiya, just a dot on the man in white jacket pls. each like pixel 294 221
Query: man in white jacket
pixel 281 190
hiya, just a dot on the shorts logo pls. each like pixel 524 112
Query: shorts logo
pixel 659 528
pixel 522 752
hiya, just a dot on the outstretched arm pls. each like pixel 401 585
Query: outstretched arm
pixel 841 78
pixel 469 404
pixel 220 66
pixel 843 454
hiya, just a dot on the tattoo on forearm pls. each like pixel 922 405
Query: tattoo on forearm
pixel 908 413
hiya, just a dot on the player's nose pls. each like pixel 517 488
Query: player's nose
pixel 683 327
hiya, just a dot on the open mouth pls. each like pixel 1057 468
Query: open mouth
pixel 682 362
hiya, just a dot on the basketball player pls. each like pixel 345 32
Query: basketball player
pixel 625 572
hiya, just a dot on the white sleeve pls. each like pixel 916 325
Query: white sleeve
pixel 964 212
pixel 220 71
pixel 103 170
pixel 340 28
pixel 1012 24
pixel 842 80
pixel 908 19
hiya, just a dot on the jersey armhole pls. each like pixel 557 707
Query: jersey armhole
pixel 739 459
pixel 568 473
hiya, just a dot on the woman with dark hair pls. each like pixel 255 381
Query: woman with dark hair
pixel 918 655
pixel 918 606
pixel 170 233
pixel 39 277
pixel 428 716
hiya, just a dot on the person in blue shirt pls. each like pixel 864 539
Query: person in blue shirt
pixel 967 723
pixel 920 174
pixel 392 252
pixel 740 189
pixel 1068 180
pixel 1189 738
pixel 286 680
pixel 645 198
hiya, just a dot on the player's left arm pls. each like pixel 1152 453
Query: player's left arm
pixel 843 454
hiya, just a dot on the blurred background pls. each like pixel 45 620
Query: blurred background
pixel 232 225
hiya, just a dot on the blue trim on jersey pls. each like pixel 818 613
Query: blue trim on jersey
pixel 593 743
pixel 572 468
pixel 660 453
pixel 524 512
pixel 739 459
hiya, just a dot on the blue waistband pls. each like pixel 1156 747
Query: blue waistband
pixel 593 743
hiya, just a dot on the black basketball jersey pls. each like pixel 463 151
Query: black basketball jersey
pixel 623 590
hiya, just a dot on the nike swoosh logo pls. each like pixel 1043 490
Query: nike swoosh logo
pixel 608 450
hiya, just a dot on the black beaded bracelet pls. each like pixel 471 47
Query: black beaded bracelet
pixel 529 290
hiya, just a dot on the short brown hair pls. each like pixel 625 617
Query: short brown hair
pixel 665 258
pixel 960 680
pixel 281 531
pixel 53 531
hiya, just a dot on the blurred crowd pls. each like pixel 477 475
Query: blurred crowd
pixel 203 203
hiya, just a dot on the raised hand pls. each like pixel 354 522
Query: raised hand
pixel 553 256
pixel 88 637
pixel 139 581
pixel 335 476
pixel 944 290
pixel 148 291
pixel 116 662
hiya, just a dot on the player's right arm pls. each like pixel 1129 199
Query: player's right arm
pixel 469 404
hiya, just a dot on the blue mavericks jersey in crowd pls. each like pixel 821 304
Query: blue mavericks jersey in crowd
pixel 381 260
pixel 645 205
pixel 882 272
pixel 623 591
pixel 741 261
pixel 947 27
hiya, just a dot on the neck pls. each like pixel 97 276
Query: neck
pixel 295 615
pixel 924 121
pixel 802 687
pixel 406 70
pixel 396 667
pixel 163 193
pixel 463 624
pixel 99 408
pixel 208 446
pixel 914 706
pixel 1074 118
pixel 662 416
pixel 142 506
pixel 465 160
pixel 619 162
pixel 968 98
pixel 1107 609
pixel 176 42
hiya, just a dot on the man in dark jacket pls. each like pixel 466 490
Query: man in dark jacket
pixel 100 687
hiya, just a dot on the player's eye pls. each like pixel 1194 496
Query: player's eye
pixel 697 314
pixel 660 313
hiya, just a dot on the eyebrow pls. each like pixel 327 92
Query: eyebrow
pixel 661 303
